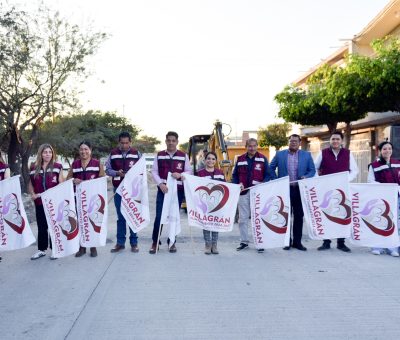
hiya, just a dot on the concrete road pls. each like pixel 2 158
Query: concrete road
pixel 190 295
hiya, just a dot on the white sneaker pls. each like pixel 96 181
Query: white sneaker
pixel 376 252
pixel 38 255
pixel 394 254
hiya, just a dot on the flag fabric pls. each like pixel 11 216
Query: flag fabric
pixel 211 204
pixel 15 231
pixel 170 212
pixel 134 197
pixel 270 214
pixel 92 209
pixel 375 215
pixel 327 206
pixel 59 207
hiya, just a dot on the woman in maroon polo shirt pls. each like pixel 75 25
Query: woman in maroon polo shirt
pixel 45 173
pixel 83 169
pixel 385 170
pixel 210 171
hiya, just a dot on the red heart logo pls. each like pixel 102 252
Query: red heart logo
pixel 11 211
pixel 280 211
pixel 389 222
pixel 336 206
pixel 69 219
pixel 214 197
pixel 96 215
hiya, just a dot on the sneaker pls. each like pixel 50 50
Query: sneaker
pixel 261 250
pixel 38 255
pixel 376 252
pixel 52 257
pixel 394 254
pixel 242 246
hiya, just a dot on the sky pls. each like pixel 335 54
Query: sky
pixel 182 64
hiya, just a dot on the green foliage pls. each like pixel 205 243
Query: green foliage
pixel 274 135
pixel 42 58
pixel 345 94
pixel 184 147
pixel 146 144
pixel 101 129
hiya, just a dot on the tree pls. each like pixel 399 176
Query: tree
pixel 184 147
pixel 346 94
pixel 101 129
pixel 146 144
pixel 382 72
pixel 41 56
pixel 274 135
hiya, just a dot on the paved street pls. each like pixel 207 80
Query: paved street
pixel 189 295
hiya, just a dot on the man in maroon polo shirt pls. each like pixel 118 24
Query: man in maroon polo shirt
pixel 333 160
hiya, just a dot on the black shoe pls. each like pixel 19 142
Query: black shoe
pixel 344 248
pixel 242 246
pixel 260 251
pixel 299 247
pixel 286 248
pixel 325 246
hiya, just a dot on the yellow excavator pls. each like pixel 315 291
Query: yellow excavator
pixel 215 142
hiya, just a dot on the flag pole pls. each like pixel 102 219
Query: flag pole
pixel 253 186
pixel 158 237
pixel 112 196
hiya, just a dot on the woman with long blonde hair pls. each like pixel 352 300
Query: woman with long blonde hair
pixel 45 173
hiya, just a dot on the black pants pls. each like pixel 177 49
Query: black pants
pixel 43 236
pixel 297 211
pixel 159 206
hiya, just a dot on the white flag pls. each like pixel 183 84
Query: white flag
pixel 270 213
pixel 211 204
pixel 15 231
pixel 375 210
pixel 327 206
pixel 134 197
pixel 59 207
pixel 92 209
pixel 170 212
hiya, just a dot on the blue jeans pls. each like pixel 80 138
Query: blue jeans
pixel 159 206
pixel 121 225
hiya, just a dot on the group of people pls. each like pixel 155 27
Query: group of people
pixel 251 168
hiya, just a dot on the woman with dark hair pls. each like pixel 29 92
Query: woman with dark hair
pixel 210 171
pixel 385 170
pixel 83 169
pixel 45 173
